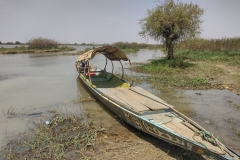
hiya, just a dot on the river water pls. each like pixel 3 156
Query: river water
pixel 32 86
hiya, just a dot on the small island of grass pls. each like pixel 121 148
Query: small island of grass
pixel 37 45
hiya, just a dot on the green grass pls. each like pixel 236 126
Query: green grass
pixel 164 66
pixel 225 50
pixel 230 57
pixel 179 73
pixel 170 82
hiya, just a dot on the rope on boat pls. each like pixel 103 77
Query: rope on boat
pixel 208 136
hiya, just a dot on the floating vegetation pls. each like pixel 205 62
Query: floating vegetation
pixel 234 105
pixel 230 120
pixel 54 140
pixel 238 133
pixel 10 112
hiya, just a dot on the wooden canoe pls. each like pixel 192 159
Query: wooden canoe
pixel 147 112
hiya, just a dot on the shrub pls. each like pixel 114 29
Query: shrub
pixel 213 45
pixel 133 45
pixel 42 43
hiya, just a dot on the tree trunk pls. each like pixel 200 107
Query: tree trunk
pixel 170 49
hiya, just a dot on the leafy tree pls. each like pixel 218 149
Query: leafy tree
pixel 171 22
pixel 0 42
pixel 17 42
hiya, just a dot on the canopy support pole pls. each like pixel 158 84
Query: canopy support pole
pixel 84 72
pixel 122 69
pixel 131 72
pixel 105 65
pixel 112 66
pixel 89 76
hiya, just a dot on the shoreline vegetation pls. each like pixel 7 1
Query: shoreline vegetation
pixel 68 136
pixel 198 64
pixel 37 45
pixel 133 47
pixel 23 49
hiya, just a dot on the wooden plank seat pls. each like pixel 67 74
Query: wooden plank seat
pixel 146 93
pixel 151 104
pixel 123 100
pixel 136 101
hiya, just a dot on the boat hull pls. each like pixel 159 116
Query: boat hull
pixel 151 128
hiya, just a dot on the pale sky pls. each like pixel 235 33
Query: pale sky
pixel 102 21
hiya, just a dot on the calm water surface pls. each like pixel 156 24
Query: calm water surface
pixel 39 83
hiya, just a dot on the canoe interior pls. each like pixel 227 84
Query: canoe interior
pixel 146 106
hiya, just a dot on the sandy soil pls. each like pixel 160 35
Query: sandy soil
pixel 140 146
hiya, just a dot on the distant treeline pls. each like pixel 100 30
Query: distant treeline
pixel 214 45
pixel 133 45
pixel 11 43
pixel 37 45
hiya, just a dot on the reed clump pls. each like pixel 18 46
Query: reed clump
pixel 212 45
pixel 132 47
pixel 225 50
pixel 63 134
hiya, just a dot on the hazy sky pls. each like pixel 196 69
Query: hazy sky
pixel 102 21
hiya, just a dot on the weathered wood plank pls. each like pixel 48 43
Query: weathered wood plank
pixel 127 99
pixel 146 93
pixel 151 104
pixel 113 97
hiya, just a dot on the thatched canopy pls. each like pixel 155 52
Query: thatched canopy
pixel 112 53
